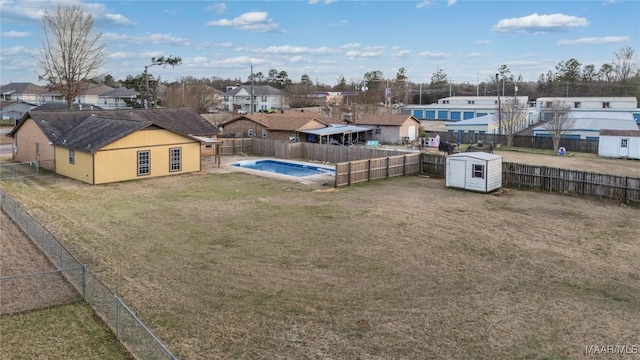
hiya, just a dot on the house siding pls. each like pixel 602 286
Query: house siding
pixel 81 169
pixel 118 161
pixel 241 127
pixel 25 141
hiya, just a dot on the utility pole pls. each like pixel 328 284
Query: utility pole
pixel 499 108
pixel 251 104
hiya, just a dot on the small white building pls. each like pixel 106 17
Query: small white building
pixel 587 125
pixel 475 171
pixel 619 144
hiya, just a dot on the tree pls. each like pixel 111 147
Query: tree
pixel 305 80
pixel 513 116
pixel 192 93
pixel 72 52
pixel 560 122
pixel 161 61
pixel 624 65
pixel 439 78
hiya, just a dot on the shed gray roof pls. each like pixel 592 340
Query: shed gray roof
pixel 94 132
pixel 596 120
pixel 477 155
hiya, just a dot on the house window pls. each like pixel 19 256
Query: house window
pixel 250 132
pixel 624 143
pixel 264 99
pixel 144 163
pixel 175 159
pixel 478 171
pixel 605 105
pixel 378 131
pixel 208 146
pixel 576 104
pixel 72 157
pixel 264 133
pixel 471 102
pixel 37 148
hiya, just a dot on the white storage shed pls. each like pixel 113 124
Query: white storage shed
pixel 619 144
pixel 475 171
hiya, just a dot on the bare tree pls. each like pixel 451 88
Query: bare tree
pixel 513 117
pixel 192 93
pixel 624 64
pixel 71 51
pixel 560 122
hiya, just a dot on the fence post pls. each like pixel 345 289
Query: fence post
pixel 84 282
pixel 117 317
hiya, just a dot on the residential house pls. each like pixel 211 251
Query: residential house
pixel 393 129
pixel 264 98
pixel 26 92
pixel 281 126
pixel 103 96
pixel 49 136
pixel 14 110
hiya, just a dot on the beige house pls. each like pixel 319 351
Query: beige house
pixel 280 126
pixel 392 129
pixel 38 134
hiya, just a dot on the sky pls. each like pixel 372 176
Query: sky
pixel 328 39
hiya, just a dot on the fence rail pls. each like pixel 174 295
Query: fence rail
pixel 132 333
pixel 575 182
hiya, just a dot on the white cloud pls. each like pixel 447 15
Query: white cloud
pixel 255 21
pixel 16 50
pixel 401 53
pixel 451 2
pixel 432 55
pixel 298 59
pixel 350 46
pixel 119 19
pixel 288 49
pixel 121 55
pixel 483 42
pixel 15 34
pixel 339 23
pixel 366 53
pixel 539 24
pixel 424 4
pixel 156 39
pixel 217 8
pixel 595 40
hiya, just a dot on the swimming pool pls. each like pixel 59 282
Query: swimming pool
pixel 284 167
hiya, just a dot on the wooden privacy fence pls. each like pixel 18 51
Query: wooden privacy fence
pixel 231 146
pixel 352 172
pixel 575 182
pixel 317 152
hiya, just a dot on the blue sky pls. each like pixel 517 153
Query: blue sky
pixel 326 39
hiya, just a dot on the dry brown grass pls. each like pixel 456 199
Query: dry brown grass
pixel 239 266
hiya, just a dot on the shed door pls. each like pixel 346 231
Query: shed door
pixel 624 147
pixel 412 132
pixel 457 173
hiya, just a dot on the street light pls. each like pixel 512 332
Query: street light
pixel 499 108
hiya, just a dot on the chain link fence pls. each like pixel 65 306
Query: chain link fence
pixel 71 281
pixel 14 170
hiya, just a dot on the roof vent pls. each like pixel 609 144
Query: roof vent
pixel 93 114
pixel 64 141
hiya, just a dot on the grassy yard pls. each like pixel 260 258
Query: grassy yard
pixel 240 266
pixel 62 332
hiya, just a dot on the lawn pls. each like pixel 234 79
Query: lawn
pixel 240 266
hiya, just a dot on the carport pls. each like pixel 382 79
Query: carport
pixel 346 132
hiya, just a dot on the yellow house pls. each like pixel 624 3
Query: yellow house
pixel 107 146
pixel 147 152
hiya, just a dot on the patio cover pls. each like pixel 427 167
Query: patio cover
pixel 336 129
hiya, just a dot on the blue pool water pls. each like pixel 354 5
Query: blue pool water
pixel 284 167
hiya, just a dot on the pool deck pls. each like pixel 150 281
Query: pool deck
pixel 209 166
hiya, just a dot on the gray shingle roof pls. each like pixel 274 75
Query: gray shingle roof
pixel 258 90
pixel 22 88
pixel 80 128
